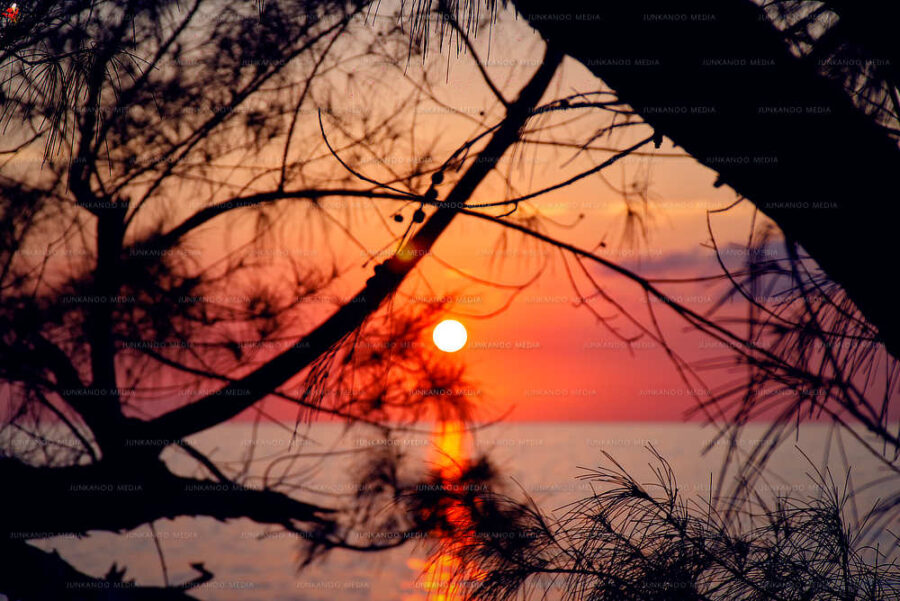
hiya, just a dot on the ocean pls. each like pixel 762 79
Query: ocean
pixel 540 459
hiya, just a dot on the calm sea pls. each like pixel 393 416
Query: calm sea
pixel 542 459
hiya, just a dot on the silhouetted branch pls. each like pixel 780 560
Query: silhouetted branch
pixel 221 406
pixel 830 135
pixel 170 238
pixel 90 498
pixel 30 574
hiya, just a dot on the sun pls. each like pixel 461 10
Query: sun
pixel 450 335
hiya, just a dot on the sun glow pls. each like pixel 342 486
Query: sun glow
pixel 450 335
pixel 443 575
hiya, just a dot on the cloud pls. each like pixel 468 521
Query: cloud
pixel 700 261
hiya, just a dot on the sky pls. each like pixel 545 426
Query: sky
pixel 546 334
pixel 543 358
pixel 537 353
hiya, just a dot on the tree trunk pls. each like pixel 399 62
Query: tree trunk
pixel 718 80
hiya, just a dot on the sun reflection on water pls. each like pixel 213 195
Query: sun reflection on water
pixel 440 577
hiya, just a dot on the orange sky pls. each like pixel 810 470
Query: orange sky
pixel 543 357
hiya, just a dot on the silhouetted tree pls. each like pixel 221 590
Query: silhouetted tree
pixel 107 311
pixel 120 338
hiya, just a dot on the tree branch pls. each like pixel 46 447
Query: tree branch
pixel 101 497
pixel 173 236
pixel 234 398
pixel 26 571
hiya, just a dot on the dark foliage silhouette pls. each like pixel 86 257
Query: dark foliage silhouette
pixel 630 540
pixel 121 339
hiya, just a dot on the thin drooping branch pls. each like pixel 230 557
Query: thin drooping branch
pixel 180 151
pixel 763 357
pixel 169 239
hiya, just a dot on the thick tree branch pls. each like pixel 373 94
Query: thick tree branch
pixel 718 79
pixel 30 574
pixel 104 497
pixel 234 398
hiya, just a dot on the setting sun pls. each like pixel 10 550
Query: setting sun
pixel 450 335
pixel 236 223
